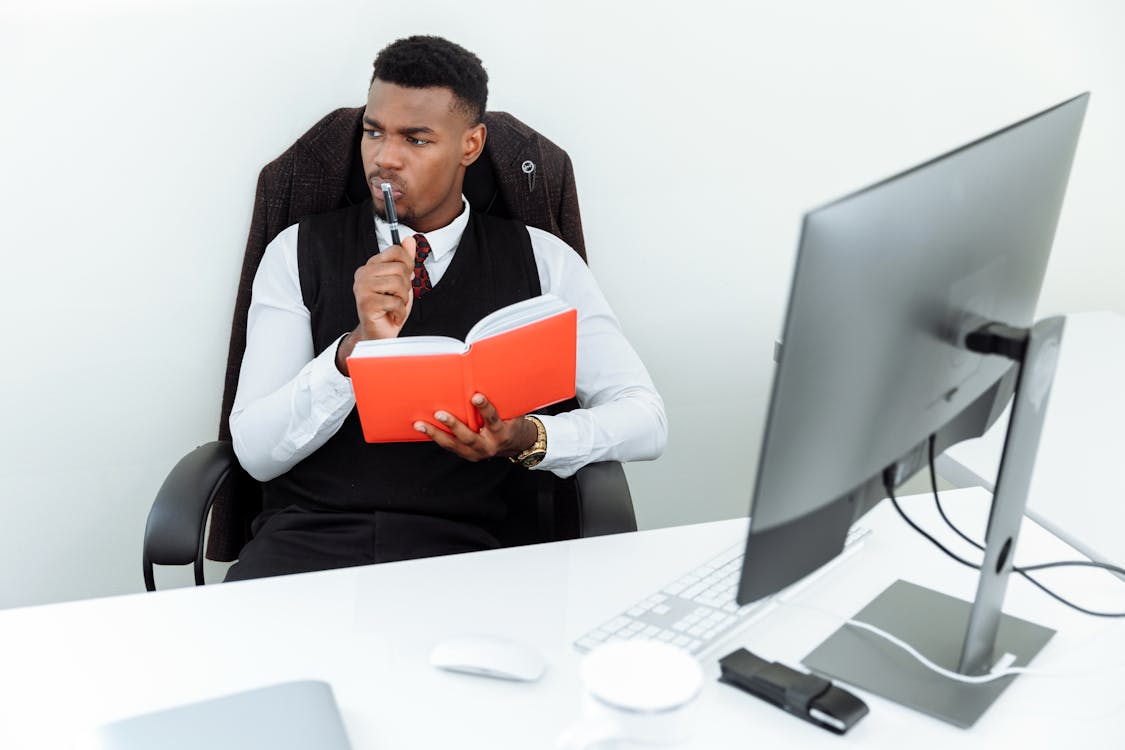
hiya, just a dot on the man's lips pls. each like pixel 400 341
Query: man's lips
pixel 377 184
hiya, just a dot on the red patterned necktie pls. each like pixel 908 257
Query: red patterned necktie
pixel 421 282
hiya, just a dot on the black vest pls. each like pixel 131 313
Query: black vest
pixel 426 500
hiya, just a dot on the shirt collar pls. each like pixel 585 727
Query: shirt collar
pixel 442 241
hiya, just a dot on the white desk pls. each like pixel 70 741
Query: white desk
pixel 368 632
pixel 1078 485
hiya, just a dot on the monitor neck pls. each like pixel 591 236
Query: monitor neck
pixel 1036 351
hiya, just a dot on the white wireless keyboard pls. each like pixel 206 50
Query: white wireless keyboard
pixel 697 610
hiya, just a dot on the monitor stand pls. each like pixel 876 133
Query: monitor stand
pixel 934 623
pixel 963 637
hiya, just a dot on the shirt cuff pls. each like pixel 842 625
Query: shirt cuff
pixel 563 446
pixel 325 374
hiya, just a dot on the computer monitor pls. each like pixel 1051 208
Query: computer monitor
pixel 884 344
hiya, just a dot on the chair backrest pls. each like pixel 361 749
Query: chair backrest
pixel 521 175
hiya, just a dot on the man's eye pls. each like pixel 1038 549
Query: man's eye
pixel 373 133
pixel 416 141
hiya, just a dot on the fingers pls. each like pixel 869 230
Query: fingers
pixel 396 254
pixel 474 446
pixel 488 413
pixel 457 428
pixel 460 439
pixel 383 293
pixel 497 437
pixel 439 436
pixel 381 281
pixel 389 267
pixel 410 245
pixel 383 297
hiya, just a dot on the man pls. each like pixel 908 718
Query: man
pixel 329 498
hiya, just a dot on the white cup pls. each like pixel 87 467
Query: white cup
pixel 635 694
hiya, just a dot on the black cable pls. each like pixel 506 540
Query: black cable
pixel 1024 569
pixel 937 500
pixel 1074 564
pixel 1070 604
pixel 1023 572
pixel 888 485
pixel 889 488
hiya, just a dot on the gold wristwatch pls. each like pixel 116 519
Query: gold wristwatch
pixel 538 450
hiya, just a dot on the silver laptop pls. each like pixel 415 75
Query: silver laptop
pixel 287 716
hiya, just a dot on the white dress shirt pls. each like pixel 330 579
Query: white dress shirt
pixel 290 400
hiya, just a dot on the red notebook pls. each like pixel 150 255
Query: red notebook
pixel 522 357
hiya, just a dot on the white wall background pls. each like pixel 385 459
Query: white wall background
pixel 132 133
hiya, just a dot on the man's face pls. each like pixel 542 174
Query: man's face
pixel 419 142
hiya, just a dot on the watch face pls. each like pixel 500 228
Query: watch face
pixel 534 458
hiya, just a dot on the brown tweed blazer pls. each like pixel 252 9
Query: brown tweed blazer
pixel 314 176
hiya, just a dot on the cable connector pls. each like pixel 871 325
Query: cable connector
pixel 998 338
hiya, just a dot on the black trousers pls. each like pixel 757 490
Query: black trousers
pixel 299 540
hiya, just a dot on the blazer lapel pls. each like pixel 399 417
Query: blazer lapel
pixel 510 146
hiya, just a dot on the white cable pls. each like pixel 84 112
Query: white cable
pixel 999 670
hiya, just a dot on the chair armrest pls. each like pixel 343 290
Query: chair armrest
pixel 604 503
pixel 178 517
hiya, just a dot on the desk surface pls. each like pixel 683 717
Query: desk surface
pixel 368 631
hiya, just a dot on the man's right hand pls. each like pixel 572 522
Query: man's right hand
pixel 383 297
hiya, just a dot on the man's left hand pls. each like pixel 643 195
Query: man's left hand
pixel 497 437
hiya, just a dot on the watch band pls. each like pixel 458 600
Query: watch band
pixel 534 455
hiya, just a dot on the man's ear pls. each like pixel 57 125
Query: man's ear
pixel 472 145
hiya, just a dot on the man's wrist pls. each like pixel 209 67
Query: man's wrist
pixel 536 450
pixel 529 436
pixel 343 351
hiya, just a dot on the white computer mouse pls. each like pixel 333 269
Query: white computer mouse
pixel 490 656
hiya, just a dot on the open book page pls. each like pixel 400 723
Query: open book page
pixel 412 345
pixel 507 318
pixel 516 316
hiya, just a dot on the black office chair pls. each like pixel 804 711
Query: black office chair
pixel 520 175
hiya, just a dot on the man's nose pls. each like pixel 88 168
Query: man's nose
pixel 389 155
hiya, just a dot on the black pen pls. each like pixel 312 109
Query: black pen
pixel 392 217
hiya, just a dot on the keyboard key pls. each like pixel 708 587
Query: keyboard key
pixel 693 591
pixel 615 624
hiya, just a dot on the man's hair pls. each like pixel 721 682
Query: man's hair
pixel 420 62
